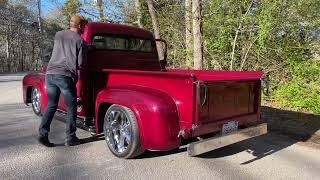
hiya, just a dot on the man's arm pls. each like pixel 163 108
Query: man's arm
pixel 47 50
pixel 82 56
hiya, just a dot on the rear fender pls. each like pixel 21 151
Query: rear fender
pixel 155 111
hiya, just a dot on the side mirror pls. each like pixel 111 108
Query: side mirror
pixel 266 85
pixel 163 62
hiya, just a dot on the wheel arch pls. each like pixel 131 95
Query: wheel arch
pixel 35 80
pixel 103 107
pixel 155 111
pixel 28 94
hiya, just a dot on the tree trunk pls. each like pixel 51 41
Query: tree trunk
pixel 138 11
pixel 32 57
pixel 234 47
pixel 8 53
pixel 22 60
pixel 19 49
pixel 100 8
pixel 188 18
pixel 246 54
pixel 197 34
pixel 155 27
pixel 7 47
pixel 22 54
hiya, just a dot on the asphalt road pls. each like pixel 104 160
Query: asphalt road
pixel 268 157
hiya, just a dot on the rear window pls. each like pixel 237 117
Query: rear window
pixel 107 42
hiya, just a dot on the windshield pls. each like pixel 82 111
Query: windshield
pixel 109 42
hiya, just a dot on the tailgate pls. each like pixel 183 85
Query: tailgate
pixel 223 101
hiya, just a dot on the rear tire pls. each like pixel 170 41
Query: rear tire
pixel 36 101
pixel 121 132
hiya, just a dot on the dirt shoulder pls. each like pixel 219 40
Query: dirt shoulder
pixel 301 126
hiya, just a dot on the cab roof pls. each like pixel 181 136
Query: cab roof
pixel 114 29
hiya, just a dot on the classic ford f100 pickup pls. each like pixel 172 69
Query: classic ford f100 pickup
pixel 126 93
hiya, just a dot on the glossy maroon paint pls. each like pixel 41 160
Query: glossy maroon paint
pixel 168 105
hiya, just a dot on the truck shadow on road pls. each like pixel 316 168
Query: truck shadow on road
pixel 62 118
pixel 259 147
pixel 85 140
pixel 285 129
pixel 153 154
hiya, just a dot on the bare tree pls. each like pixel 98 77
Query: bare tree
pixel 155 27
pixel 236 37
pixel 20 39
pixel 197 34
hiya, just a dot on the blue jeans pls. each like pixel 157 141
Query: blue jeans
pixel 55 85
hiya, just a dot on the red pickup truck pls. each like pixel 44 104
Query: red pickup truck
pixel 126 93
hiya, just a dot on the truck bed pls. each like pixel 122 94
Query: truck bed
pixel 205 100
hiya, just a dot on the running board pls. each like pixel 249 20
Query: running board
pixel 81 123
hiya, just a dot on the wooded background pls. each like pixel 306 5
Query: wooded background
pixel 279 37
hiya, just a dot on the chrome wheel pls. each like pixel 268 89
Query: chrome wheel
pixel 121 131
pixel 118 131
pixel 36 100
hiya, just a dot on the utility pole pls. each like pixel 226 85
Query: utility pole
pixel 39 16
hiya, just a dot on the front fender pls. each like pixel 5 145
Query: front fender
pixel 155 111
pixel 36 80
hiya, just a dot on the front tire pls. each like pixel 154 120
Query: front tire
pixel 121 132
pixel 36 101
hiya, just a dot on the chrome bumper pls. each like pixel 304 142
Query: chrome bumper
pixel 213 143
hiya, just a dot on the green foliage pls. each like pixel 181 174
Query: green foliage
pixel 303 91
pixel 221 19
pixel 278 37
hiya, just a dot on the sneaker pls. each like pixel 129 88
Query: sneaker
pixel 73 141
pixel 45 141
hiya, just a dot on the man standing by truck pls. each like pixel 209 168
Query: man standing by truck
pixel 69 53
